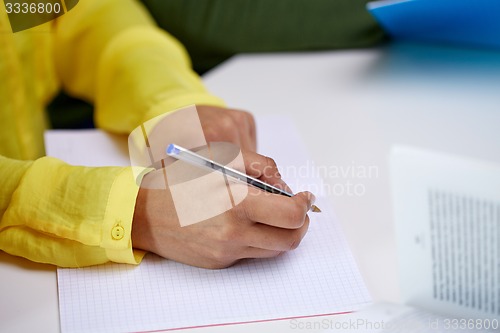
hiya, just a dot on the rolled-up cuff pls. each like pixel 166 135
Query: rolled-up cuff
pixel 117 227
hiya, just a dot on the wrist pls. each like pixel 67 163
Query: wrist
pixel 140 230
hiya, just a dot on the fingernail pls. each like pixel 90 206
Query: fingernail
pixel 312 198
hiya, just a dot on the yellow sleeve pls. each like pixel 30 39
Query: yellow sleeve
pixel 69 216
pixel 111 53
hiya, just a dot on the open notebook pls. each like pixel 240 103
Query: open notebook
pixel 320 277
pixel 447 211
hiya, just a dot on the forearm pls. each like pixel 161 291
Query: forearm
pixel 66 215
pixel 111 53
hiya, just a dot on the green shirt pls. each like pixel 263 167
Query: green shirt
pixel 214 30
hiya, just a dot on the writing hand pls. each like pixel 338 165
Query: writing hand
pixel 263 225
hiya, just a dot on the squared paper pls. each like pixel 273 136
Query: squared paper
pixel 319 277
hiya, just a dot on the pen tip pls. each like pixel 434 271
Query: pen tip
pixel 315 209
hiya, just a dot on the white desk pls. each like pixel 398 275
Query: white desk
pixel 350 107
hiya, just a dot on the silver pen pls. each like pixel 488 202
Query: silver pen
pixel 190 157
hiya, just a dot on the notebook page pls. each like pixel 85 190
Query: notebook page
pixel 320 277
pixel 87 147
pixel 447 211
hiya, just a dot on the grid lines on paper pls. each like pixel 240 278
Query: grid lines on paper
pixel 318 278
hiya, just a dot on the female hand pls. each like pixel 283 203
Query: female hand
pixel 263 225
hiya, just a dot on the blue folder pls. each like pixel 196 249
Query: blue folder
pixel 466 22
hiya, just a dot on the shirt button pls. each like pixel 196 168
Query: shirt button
pixel 117 232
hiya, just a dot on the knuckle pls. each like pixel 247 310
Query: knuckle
pixel 248 115
pixel 271 162
pixel 240 116
pixel 294 241
pixel 226 123
pixel 245 117
pixel 296 215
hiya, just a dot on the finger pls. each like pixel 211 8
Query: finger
pixel 275 239
pixel 264 168
pixel 277 210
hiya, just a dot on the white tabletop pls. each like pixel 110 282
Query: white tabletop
pixel 350 107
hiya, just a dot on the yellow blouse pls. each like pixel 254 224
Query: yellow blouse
pixel 108 52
